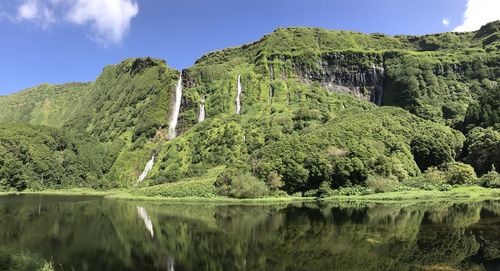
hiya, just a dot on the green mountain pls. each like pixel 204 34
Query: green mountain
pixel 302 109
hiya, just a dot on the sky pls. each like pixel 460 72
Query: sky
pixel 59 41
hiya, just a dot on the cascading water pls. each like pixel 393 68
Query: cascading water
pixel 379 89
pixel 147 169
pixel 147 221
pixel 175 112
pixel 201 116
pixel 238 97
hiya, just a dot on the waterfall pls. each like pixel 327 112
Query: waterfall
pixel 147 169
pixel 176 109
pixel 147 221
pixel 238 96
pixel 379 89
pixel 380 95
pixel 201 116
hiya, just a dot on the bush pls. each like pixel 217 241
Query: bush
pixel 491 179
pixel 325 190
pixel 432 179
pixel 240 185
pixel 279 194
pixel 274 181
pixel 435 176
pixel 352 191
pixel 459 173
pixel 311 193
pixel 189 188
pixel 380 184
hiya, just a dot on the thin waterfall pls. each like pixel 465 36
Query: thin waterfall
pixel 238 96
pixel 201 116
pixel 147 169
pixel 147 221
pixel 175 112
pixel 379 89
pixel 271 79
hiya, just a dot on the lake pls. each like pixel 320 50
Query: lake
pixel 93 233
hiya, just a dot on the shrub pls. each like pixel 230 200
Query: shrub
pixel 279 194
pixel 274 181
pixel 240 185
pixel 311 193
pixel 434 176
pixel 325 190
pixel 431 179
pixel 460 173
pixel 491 179
pixel 352 191
pixel 380 184
pixel 189 188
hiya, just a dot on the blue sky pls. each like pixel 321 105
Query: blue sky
pixel 58 41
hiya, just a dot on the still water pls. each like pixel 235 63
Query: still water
pixel 92 233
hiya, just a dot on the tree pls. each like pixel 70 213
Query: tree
pixel 483 149
pixel 430 151
pixel 486 111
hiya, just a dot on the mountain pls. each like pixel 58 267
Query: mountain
pixel 301 109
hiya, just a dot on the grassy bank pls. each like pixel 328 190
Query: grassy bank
pixel 462 194
pixel 466 193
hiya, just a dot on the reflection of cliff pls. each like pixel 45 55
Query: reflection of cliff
pixel 108 235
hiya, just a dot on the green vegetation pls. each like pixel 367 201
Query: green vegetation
pixel 50 105
pixel 38 157
pixel 11 260
pixel 309 122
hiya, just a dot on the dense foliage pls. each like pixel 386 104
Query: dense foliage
pixel 37 157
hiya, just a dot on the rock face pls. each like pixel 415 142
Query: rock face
pixel 349 73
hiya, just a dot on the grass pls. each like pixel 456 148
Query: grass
pixel 177 192
pixel 464 193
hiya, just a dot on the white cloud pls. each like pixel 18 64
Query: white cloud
pixel 35 11
pixel 108 20
pixel 28 10
pixel 478 13
pixel 445 22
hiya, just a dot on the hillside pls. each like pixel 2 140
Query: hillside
pixel 50 105
pixel 303 110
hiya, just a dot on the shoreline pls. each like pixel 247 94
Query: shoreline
pixel 458 194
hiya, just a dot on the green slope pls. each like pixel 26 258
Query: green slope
pixel 50 105
pixel 309 113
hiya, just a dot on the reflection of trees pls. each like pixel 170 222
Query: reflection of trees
pixel 110 235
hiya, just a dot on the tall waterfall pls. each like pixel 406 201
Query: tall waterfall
pixel 147 221
pixel 379 89
pixel 238 97
pixel 201 116
pixel 175 112
pixel 147 169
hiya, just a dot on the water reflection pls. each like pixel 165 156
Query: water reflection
pixel 97 234
pixel 143 214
